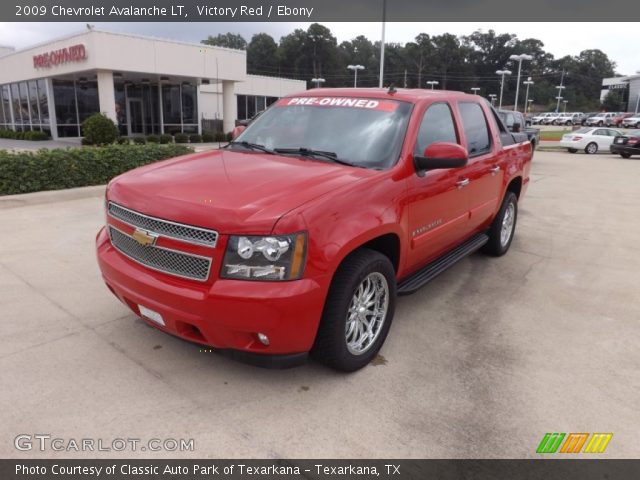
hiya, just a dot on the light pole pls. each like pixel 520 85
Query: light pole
pixel 529 102
pixel 565 105
pixel 433 83
pixel 502 73
pixel 318 81
pixel 528 83
pixel 519 59
pixel 475 90
pixel 493 97
pixel 355 68
pixel 560 88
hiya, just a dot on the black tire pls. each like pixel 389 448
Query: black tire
pixel 625 155
pixel 600 123
pixel 495 246
pixel 330 346
pixel 572 150
pixel 591 148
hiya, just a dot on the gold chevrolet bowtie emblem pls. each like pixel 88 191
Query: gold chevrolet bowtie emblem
pixel 144 238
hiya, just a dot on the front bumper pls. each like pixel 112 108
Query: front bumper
pixel 224 314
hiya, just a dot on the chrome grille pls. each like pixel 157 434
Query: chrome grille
pixel 186 233
pixel 162 259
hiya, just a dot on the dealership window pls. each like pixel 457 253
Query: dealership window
pixel 64 95
pixel 5 105
pixel 23 106
pixel 180 108
pixel 87 99
pixel 249 105
pixel 15 102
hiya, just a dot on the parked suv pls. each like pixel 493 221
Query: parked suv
pixel 632 121
pixel 569 119
pixel 602 119
pixel 299 236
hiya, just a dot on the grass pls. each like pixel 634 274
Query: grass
pixel 553 135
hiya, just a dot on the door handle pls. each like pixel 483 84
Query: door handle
pixel 462 183
pixel 494 171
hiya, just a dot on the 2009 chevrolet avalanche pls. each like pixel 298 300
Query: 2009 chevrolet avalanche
pixel 300 234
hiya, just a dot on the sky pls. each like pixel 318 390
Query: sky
pixel 618 40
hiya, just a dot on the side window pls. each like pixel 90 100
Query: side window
pixel 600 132
pixel 475 128
pixel 437 126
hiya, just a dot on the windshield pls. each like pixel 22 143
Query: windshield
pixel 359 131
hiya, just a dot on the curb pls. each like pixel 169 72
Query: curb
pixel 50 196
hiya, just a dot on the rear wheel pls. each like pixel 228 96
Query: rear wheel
pixel 503 227
pixel 358 311
pixel 572 150
pixel 591 148
pixel 625 155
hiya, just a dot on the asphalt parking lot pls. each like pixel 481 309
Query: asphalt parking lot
pixel 480 363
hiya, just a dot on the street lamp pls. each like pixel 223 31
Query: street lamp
pixel 355 69
pixel 519 59
pixel 565 105
pixel 502 73
pixel 475 90
pixel 493 97
pixel 528 83
pixel 318 81
pixel 529 102
pixel 433 83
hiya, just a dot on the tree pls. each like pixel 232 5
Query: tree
pixel 227 40
pixel 262 55
pixel 613 102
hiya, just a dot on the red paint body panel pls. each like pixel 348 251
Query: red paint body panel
pixel 340 207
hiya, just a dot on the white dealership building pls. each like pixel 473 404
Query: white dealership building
pixel 628 86
pixel 146 85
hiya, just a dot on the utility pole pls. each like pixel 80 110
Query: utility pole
pixel 405 79
pixel 384 18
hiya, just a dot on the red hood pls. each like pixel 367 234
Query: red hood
pixel 228 191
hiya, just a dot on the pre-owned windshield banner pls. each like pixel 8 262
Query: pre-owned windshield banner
pixel 318 11
pixel 347 102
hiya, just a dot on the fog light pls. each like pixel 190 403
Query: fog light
pixel 263 339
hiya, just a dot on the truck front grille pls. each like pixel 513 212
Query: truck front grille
pixel 161 259
pixel 167 228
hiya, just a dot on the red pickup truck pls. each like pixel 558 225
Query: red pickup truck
pixel 299 235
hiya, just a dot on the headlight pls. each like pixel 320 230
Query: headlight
pixel 274 257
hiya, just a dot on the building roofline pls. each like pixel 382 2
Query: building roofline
pixel 121 34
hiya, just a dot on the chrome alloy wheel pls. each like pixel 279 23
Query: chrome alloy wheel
pixel 367 313
pixel 508 222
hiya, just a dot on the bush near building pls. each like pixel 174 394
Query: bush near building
pixel 99 129
pixel 28 135
pixel 23 172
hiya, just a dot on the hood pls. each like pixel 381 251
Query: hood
pixel 229 191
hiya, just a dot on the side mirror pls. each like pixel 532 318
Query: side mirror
pixel 237 131
pixel 441 155
pixel 516 127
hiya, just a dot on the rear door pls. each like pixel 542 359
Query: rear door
pixel 485 168
pixel 438 213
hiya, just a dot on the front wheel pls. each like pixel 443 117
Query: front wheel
pixel 358 311
pixel 591 148
pixel 503 227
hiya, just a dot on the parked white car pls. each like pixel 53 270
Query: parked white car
pixel 536 119
pixel 550 119
pixel 569 119
pixel 589 139
pixel 601 119
pixel 631 122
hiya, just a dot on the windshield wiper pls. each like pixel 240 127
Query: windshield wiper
pixel 308 152
pixel 252 146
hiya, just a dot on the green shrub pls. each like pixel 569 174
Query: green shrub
pixel 153 139
pixel 19 135
pixel 139 140
pixel 181 138
pixel 36 135
pixel 219 137
pixel 99 129
pixel 123 141
pixel 84 141
pixel 208 137
pixel 195 138
pixel 57 169
pixel 166 138
pixel 7 134
pixel 229 136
